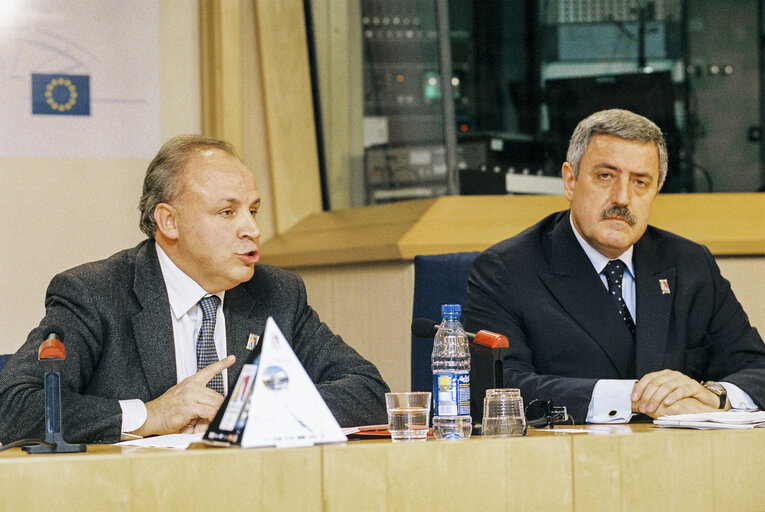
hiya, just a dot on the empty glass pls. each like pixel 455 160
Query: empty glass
pixel 503 413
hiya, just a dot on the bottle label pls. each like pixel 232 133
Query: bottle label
pixel 451 392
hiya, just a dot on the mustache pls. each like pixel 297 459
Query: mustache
pixel 621 212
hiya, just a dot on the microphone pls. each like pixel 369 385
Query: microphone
pixel 52 355
pixel 487 350
pixel 427 328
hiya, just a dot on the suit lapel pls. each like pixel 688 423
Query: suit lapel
pixel 241 321
pixel 152 326
pixel 655 283
pixel 578 289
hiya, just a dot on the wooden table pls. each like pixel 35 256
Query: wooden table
pixel 624 467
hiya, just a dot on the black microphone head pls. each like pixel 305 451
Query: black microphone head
pixel 424 327
pixel 54 330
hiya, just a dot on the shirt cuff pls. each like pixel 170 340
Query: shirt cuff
pixel 739 399
pixel 133 415
pixel 610 402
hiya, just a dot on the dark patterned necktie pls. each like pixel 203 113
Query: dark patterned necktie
pixel 206 353
pixel 614 272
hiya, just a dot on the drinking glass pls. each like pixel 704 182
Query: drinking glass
pixel 503 413
pixel 408 415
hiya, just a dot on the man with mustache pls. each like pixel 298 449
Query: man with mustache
pixel 609 316
pixel 156 334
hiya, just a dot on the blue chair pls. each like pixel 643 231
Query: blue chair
pixel 438 279
pixel 442 279
pixel 4 359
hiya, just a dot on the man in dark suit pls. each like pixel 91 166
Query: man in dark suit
pixel 142 327
pixel 658 331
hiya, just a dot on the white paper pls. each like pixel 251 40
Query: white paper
pixel 714 420
pixel 175 441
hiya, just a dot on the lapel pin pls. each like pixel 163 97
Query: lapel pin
pixel 664 285
pixel 252 341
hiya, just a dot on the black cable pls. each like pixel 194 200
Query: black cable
pixel 24 442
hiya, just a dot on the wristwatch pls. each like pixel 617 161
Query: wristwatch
pixel 718 390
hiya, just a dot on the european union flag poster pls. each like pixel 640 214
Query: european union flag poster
pixel 81 79
pixel 61 95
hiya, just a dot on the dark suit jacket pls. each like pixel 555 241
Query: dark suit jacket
pixel 541 291
pixel 118 333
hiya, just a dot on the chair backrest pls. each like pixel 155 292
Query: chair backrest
pixel 4 359
pixel 438 279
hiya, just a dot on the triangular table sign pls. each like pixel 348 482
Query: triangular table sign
pixel 285 408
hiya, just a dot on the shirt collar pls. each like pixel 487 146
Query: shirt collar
pixel 183 292
pixel 599 261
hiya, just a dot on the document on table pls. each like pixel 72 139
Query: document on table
pixel 714 420
pixel 175 441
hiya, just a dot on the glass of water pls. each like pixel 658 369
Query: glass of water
pixel 408 415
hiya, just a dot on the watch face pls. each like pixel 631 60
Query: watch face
pixel 717 389
pixel 714 387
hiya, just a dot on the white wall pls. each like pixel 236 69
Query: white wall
pixel 60 212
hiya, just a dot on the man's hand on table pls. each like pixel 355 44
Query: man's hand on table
pixel 671 392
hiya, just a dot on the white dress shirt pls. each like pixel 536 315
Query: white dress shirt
pixel 610 402
pixel 184 295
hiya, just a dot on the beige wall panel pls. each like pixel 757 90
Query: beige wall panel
pixel 548 455
pixel 230 86
pixel 64 212
pixel 254 150
pixel 292 480
pixel 108 478
pixel 645 468
pixel 339 65
pixel 492 474
pixel 152 472
pixel 221 69
pixel 455 476
pixel 597 474
pixel 266 475
pixel 739 480
pixel 355 477
pixel 370 306
pixel 64 483
pixel 681 476
pixel 289 119
pixel 747 278
pixel 180 93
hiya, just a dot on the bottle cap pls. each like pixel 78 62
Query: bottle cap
pixel 451 309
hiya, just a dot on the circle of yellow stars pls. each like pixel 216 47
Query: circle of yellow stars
pixel 65 82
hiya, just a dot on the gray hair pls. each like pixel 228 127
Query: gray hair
pixel 162 183
pixel 619 123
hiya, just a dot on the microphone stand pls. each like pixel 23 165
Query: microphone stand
pixel 51 365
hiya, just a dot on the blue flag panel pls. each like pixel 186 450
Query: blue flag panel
pixel 61 95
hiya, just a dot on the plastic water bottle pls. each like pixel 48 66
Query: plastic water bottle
pixel 451 377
